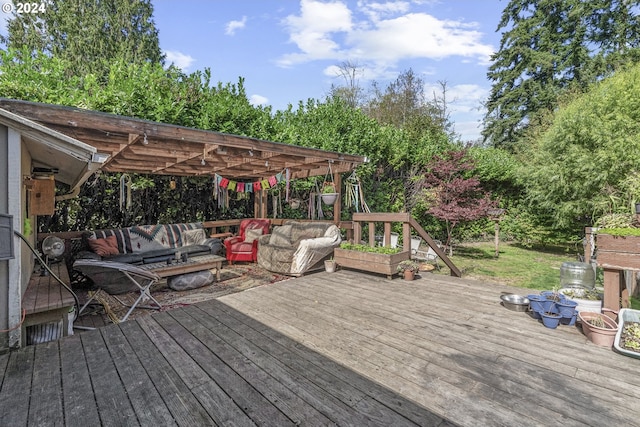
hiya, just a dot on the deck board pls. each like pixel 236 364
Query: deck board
pixel 80 409
pixel 16 388
pixel 114 407
pixel 177 396
pixel 326 349
pixel 140 389
pixel 46 400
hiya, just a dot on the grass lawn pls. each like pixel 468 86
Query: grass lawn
pixel 533 268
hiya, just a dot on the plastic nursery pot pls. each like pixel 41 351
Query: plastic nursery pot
pixel 569 321
pixel 566 308
pixel 550 320
pixel 535 302
pixel 553 296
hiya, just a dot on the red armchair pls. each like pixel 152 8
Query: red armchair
pixel 244 246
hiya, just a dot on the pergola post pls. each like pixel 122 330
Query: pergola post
pixel 260 204
pixel 337 206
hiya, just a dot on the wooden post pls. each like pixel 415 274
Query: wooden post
pixel 256 204
pixel 614 288
pixel 337 206
pixel 387 234
pixel 406 237
pixel 357 232
pixel 372 233
pixel 497 237
pixel 588 237
pixel 264 208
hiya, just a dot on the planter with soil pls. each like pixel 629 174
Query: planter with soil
pixel 370 259
pixel 627 339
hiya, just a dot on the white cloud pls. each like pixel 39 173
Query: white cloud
pixel 179 59
pixel 233 26
pixel 419 35
pixel 311 31
pixel 386 34
pixel 376 10
pixel 258 100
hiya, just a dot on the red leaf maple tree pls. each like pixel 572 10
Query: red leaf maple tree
pixel 454 195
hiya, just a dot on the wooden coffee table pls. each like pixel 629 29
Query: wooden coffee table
pixel 193 264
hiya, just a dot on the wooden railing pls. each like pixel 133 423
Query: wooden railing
pixel 408 223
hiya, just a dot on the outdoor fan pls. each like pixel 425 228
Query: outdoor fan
pixel 52 248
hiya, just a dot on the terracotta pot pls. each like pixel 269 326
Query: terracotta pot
pixel 599 336
pixel 409 275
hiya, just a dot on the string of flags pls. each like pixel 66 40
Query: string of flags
pixel 249 187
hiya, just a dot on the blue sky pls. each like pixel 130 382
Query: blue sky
pixel 288 50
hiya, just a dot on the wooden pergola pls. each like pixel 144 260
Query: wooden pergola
pixel 132 145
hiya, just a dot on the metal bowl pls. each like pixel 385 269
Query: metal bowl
pixel 515 302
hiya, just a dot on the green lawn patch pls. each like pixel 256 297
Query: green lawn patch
pixel 534 268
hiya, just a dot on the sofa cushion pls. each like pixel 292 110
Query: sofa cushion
pixel 195 250
pixel 193 237
pixel 104 247
pixel 281 236
pixel 158 255
pixel 242 246
pixel 134 258
pixel 310 230
pixel 252 234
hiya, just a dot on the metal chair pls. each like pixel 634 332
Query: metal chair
pixel 393 240
pixel 428 255
pixel 116 278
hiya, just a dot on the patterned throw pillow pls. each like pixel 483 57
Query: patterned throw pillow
pixel 104 247
pixel 252 234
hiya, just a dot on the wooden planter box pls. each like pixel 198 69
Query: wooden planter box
pixel 369 261
pixel 618 251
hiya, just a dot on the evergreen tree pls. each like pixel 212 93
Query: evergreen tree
pixel 88 35
pixel 548 48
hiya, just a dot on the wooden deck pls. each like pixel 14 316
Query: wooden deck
pixel 343 348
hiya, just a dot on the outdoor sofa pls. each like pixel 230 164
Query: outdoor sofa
pixel 297 247
pixel 146 244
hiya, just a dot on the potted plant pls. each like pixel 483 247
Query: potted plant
pixel 329 194
pixel 551 317
pixel 586 299
pixel 600 329
pixel 330 265
pixel 408 268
